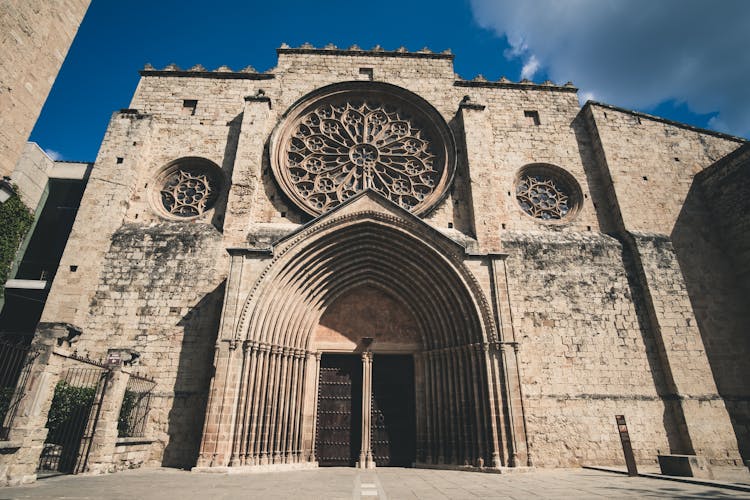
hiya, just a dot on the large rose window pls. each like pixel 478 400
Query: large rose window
pixel 345 143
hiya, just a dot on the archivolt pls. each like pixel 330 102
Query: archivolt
pixel 324 261
pixel 456 372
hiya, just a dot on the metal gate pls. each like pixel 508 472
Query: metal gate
pixel 393 416
pixel 16 358
pixel 339 426
pixel 73 417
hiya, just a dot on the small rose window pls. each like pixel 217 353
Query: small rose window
pixel 547 192
pixel 188 188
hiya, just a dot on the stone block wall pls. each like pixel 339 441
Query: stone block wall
pixel 649 171
pixel 726 193
pixel 31 175
pixel 102 210
pixel 500 140
pixel 479 203
pixel 700 410
pixel 160 294
pixel 604 325
pixel 710 240
pixel 131 453
pixel 584 354
pixel 651 163
pixel 36 37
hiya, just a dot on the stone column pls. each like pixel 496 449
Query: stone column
pixel 516 419
pixel 20 456
pixel 241 408
pixel 248 402
pixel 259 407
pixel 104 441
pixel 365 454
pixel 493 395
pixel 311 402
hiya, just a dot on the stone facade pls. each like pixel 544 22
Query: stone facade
pixel 711 243
pixel 36 37
pixel 527 335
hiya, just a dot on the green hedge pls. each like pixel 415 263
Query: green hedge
pixel 6 393
pixel 15 221
pixel 69 410
pixel 129 402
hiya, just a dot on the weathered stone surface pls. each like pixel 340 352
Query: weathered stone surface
pixel 685 465
pixel 528 335
pixel 37 36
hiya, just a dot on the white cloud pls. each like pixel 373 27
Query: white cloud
pixel 636 53
pixel 54 155
pixel 586 96
pixel 530 67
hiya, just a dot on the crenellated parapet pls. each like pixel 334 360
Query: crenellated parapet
pixel 223 71
pixel 356 50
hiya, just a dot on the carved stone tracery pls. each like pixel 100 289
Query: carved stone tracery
pixel 547 192
pixel 186 193
pixel 340 145
pixel 542 197
pixel 186 188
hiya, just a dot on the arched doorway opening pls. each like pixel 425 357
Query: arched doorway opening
pixel 373 284
pixel 366 321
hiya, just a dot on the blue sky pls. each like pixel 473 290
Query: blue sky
pixel 688 63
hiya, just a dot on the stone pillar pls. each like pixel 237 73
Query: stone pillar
pixel 20 456
pixel 495 403
pixel 104 441
pixel 365 454
pixel 247 170
pixel 508 347
pixel 700 414
pixel 242 401
pixel 483 173
pixel 309 418
pixel 218 431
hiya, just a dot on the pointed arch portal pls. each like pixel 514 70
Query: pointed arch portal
pixel 404 287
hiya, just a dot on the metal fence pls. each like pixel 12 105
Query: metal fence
pixel 73 416
pixel 16 357
pixel 135 407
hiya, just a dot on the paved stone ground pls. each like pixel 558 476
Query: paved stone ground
pixel 344 483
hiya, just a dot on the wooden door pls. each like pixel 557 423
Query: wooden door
pixel 339 426
pixel 393 420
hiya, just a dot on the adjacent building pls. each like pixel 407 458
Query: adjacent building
pixel 36 36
